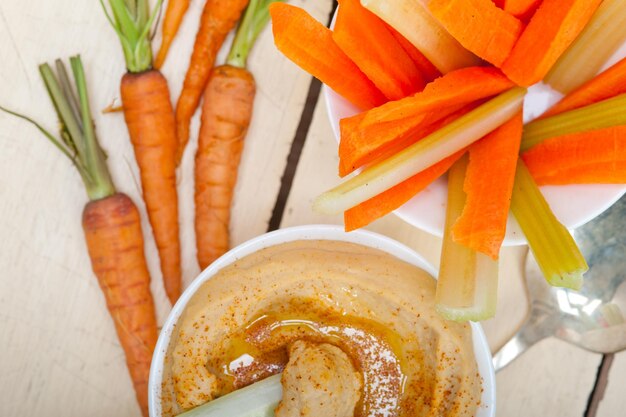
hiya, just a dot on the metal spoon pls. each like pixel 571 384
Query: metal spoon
pixel 593 318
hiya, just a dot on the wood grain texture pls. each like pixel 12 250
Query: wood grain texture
pixel 60 355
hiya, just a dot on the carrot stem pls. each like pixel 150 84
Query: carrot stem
pixel 132 20
pixel 254 20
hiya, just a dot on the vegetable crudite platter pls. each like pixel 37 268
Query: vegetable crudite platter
pixel 143 139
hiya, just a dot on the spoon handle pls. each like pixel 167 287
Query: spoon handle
pixel 526 336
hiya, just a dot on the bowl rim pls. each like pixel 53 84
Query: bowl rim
pixel 482 351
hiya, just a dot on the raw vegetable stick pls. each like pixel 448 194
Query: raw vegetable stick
pixel 310 45
pixel 488 185
pixel 603 35
pixel 467 285
pixel 414 22
pixel 226 115
pixel 428 70
pixel 218 18
pixel 439 145
pixel 479 26
pixel 603 86
pixel 593 157
pixel 365 39
pixel 376 207
pixel 552 29
pixel 174 14
pixel 380 128
pixel 605 113
pixel 151 126
pixel 522 9
pixel 111 224
pixel 555 250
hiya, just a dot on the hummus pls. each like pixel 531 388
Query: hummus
pixel 346 301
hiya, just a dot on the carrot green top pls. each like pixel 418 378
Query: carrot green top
pixel 254 20
pixel 78 139
pixel 132 20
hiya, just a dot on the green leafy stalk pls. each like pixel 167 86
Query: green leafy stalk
pixel 556 252
pixel 131 20
pixel 254 20
pixel 78 138
pixel 467 285
pixel 600 115
pixel 426 152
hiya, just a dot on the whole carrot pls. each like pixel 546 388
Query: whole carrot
pixel 226 114
pixel 218 18
pixel 174 14
pixel 151 125
pixel 111 225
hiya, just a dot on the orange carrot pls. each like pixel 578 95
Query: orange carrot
pixel 111 225
pixel 310 45
pixel 553 27
pixel 605 85
pixel 365 39
pixel 353 157
pixel 488 185
pixel 174 14
pixel 592 157
pixel 480 26
pixel 377 128
pixel 150 120
pixel 151 125
pixel 226 115
pixel 522 9
pixel 384 203
pixel 218 18
pixel 428 70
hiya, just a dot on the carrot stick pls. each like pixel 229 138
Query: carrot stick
pixel 111 224
pixel 310 45
pixel 365 39
pixel 218 18
pixel 592 157
pixel 363 135
pixel 428 70
pixel 605 85
pixel 488 185
pixel 553 27
pixel 479 26
pixel 384 203
pixel 522 9
pixel 150 120
pixel 226 115
pixel 174 14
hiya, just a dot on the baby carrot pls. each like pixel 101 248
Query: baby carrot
pixel 174 14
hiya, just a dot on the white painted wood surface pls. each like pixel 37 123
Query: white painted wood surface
pixel 59 353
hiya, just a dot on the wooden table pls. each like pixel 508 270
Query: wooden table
pixel 59 352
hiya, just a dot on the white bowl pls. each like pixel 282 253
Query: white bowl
pixel 313 232
pixel 573 205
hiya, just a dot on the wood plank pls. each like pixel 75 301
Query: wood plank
pixel 534 384
pixel 60 352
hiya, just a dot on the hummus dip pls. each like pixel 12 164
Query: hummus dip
pixel 353 329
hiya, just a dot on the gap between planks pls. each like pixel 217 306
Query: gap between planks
pixel 306 117
pixel 599 388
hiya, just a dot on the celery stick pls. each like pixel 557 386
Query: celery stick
pixel 605 32
pixel 467 286
pixel 552 245
pixel 412 19
pixel 600 115
pixel 256 400
pixel 428 151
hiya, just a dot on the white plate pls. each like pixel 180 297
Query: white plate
pixel 313 232
pixel 573 205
